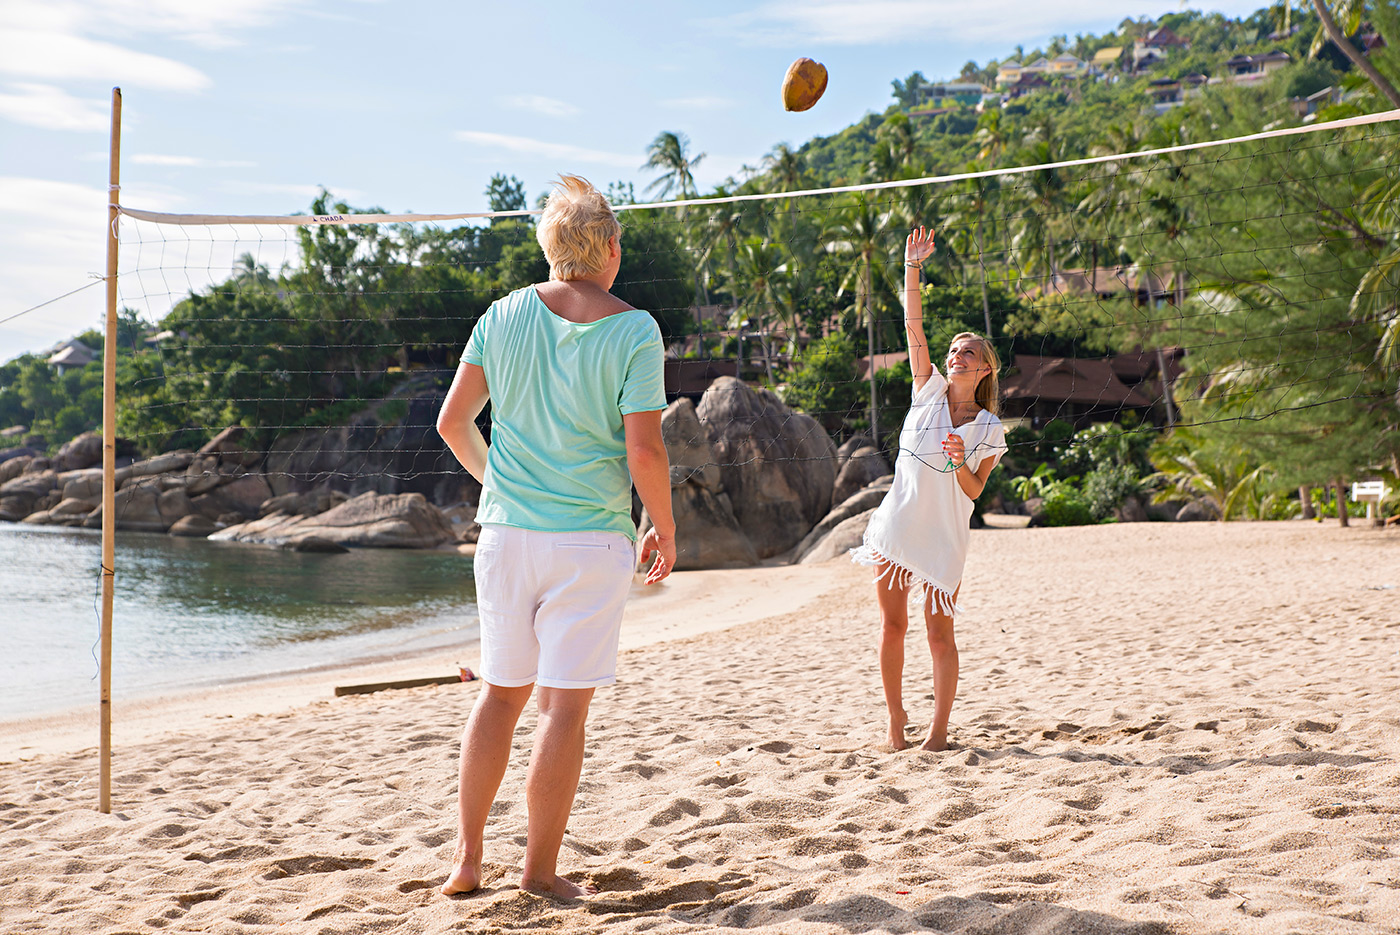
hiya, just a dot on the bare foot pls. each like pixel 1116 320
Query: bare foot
pixel 895 740
pixel 464 878
pixel 465 875
pixel 935 742
pixel 559 888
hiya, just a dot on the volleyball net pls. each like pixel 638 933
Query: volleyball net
pixel 1235 297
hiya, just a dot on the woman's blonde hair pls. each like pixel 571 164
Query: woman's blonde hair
pixel 988 392
pixel 575 228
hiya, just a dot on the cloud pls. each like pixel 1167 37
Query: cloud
pixel 192 162
pixel 541 149
pixel 548 106
pixel 60 56
pixel 197 21
pixel 50 108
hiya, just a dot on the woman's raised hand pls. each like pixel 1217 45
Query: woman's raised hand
pixel 919 245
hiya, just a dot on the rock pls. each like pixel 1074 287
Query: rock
pixel 707 532
pixel 174 505
pixel 229 446
pixel 224 520
pixel 463 520
pixel 844 537
pixel 38 518
pixel 14 467
pixel 49 500
pixel 862 500
pixel 160 464
pixel 862 466
pixel 14 454
pixel 1197 511
pixel 1035 509
pixel 82 484
pixel 38 465
pixel 245 495
pixel 777 466
pixel 1164 512
pixel 315 544
pixel 307 504
pixel 193 526
pixel 71 511
pixel 137 508
pixel 203 475
pixel 1131 511
pixel 850 446
pixel 372 520
pixel 82 452
pixel 19 495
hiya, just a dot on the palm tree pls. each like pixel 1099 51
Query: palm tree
pixel 859 233
pixel 971 214
pixel 1350 13
pixel 669 153
pixel 764 292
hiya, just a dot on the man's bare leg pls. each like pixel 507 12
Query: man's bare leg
pixel 944 651
pixel 894 625
pixel 485 751
pixel 550 785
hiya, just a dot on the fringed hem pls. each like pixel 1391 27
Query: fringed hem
pixel 896 575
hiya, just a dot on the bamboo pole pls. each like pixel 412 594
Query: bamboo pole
pixel 109 461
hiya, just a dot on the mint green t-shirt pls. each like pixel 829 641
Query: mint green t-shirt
pixel 559 390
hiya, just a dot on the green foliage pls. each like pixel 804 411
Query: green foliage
pixel 822 382
pixel 1108 485
pixel 1066 507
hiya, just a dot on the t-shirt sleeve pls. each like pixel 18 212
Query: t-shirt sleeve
pixel 475 351
pixel 992 444
pixel 644 382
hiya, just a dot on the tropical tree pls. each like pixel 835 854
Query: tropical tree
pixel 669 154
pixel 860 235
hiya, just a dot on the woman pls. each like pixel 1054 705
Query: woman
pixel 917 539
pixel 575 379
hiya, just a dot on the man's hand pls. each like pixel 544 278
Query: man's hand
pixel 665 549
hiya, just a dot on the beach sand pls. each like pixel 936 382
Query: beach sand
pixel 1160 728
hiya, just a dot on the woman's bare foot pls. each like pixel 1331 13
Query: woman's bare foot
pixel 936 741
pixel 465 875
pixel 895 739
pixel 559 888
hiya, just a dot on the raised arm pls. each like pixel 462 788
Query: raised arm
pixel 917 248
pixel 456 421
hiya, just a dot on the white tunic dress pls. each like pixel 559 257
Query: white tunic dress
pixel 921 527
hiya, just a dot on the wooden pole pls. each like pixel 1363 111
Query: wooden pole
pixel 109 461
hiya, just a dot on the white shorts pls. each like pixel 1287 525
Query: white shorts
pixel 551 605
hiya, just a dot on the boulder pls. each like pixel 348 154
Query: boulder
pixel 193 526
pixel 14 454
pixel 175 504
pixel 315 544
pixel 72 511
pixel 160 464
pixel 203 475
pixel 82 452
pixel 244 495
pixel 49 500
pixel 137 508
pixel 229 446
pixel 1035 509
pixel 776 465
pixel 372 520
pixel 707 532
pixel 14 467
pixel 463 520
pixel 82 484
pixel 845 536
pixel 1164 512
pixel 1197 511
pixel 19 495
pixel 850 446
pixel 307 504
pixel 862 500
pixel 38 465
pixel 862 466
pixel 1131 511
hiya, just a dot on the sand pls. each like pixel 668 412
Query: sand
pixel 1160 728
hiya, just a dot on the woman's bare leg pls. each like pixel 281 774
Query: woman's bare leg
pixel 550 786
pixel 894 625
pixel 944 651
pixel 485 752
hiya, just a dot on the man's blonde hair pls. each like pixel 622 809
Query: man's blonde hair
pixel 988 392
pixel 575 228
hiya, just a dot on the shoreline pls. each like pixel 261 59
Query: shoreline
pixel 711 600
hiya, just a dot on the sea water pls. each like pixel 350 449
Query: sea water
pixel 190 612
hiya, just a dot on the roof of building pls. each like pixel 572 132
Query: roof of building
pixel 1090 381
pixel 1108 56
pixel 74 354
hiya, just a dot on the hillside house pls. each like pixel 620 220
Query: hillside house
pixel 1173 92
pixel 71 355
pixel 1247 68
pixel 950 92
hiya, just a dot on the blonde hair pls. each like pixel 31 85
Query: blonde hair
pixel 575 227
pixel 988 392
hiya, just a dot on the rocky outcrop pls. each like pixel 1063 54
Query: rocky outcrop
pixel 19 496
pixel 863 465
pixel 862 501
pixel 844 537
pixel 404 521
pixel 776 465
pixel 82 452
pixel 707 532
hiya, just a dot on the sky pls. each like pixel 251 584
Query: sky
pixel 250 106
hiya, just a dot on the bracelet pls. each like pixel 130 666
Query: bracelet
pixel 914 265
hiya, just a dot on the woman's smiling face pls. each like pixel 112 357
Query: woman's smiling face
pixel 965 356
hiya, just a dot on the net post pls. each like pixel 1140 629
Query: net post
pixel 109 463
